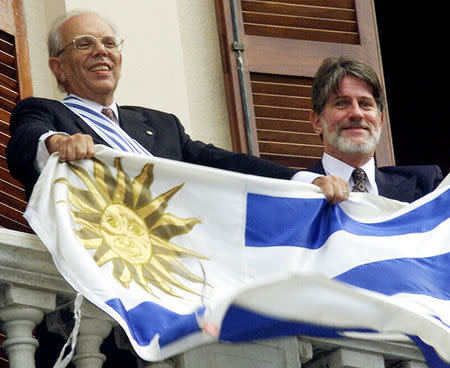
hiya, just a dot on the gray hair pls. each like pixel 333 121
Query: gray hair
pixel 330 74
pixel 55 42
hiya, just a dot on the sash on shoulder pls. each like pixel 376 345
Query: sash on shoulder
pixel 109 131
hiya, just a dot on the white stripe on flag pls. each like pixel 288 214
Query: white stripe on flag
pixel 220 244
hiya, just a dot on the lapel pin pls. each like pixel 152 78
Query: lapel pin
pixel 149 132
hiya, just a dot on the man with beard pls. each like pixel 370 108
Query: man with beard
pixel 348 113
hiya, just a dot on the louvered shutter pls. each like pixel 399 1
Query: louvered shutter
pixel 14 85
pixel 284 43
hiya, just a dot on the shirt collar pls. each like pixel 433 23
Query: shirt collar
pixel 96 106
pixel 333 166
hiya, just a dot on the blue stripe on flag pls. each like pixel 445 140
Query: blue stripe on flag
pixel 431 357
pixel 440 320
pixel 240 325
pixel 427 276
pixel 148 319
pixel 309 223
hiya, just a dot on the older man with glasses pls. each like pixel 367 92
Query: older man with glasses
pixel 85 58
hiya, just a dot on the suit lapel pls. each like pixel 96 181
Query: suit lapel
pixel 138 127
pixel 317 168
pixel 395 187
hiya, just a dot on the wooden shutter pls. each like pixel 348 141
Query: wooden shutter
pixel 284 43
pixel 15 84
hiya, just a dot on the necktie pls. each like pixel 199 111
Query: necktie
pixel 107 111
pixel 360 179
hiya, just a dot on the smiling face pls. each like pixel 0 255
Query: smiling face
pixel 92 73
pixel 350 122
pixel 126 234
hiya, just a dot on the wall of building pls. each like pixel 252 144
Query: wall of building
pixel 171 58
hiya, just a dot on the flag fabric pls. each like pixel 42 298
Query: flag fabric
pixel 183 255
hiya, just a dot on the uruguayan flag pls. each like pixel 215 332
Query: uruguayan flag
pixel 182 255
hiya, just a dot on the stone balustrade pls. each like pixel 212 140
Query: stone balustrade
pixel 31 289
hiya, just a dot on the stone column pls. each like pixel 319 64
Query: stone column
pixel 305 351
pixel 21 309
pixel 273 353
pixel 95 326
pixel 412 364
pixel 345 358
pixel 91 335
pixel 163 364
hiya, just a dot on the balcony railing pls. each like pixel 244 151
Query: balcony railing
pixel 31 289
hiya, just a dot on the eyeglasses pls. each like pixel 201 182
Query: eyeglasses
pixel 88 42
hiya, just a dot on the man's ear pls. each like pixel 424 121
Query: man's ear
pixel 382 119
pixel 314 119
pixel 57 69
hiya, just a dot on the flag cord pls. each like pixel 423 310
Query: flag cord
pixel 63 362
pixel 207 326
pixel 203 283
pixel 198 317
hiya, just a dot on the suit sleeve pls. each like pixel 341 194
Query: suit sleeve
pixel 30 119
pixel 171 141
pixel 209 155
pixel 438 177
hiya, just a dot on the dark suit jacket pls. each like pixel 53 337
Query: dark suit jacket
pixel 33 117
pixel 403 183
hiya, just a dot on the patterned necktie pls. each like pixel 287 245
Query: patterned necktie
pixel 107 111
pixel 360 179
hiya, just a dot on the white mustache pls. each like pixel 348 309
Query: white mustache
pixel 357 124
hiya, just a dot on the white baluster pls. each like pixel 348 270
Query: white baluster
pixel 20 311
pixel 95 327
pixel 91 335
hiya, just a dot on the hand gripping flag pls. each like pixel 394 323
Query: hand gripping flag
pixel 182 255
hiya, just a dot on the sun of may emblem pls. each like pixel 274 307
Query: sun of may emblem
pixel 129 228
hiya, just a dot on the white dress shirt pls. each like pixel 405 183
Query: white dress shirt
pixel 335 167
